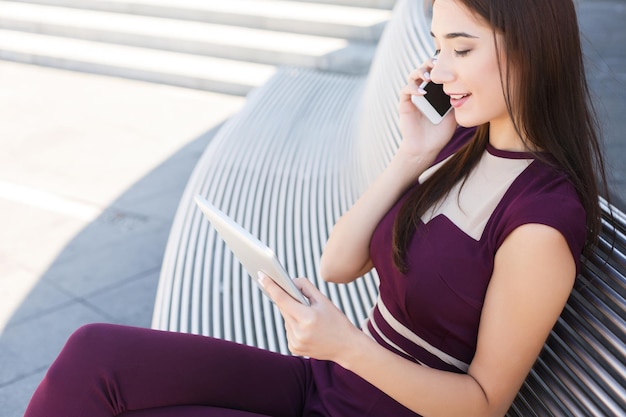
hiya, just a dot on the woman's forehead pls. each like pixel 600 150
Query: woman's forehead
pixel 453 16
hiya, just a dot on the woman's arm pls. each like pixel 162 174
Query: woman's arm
pixel 346 255
pixel 532 279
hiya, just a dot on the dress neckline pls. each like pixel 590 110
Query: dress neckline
pixel 509 154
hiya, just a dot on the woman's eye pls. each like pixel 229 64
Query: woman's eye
pixel 461 53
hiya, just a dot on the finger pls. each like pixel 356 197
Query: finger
pixel 422 72
pixel 317 299
pixel 418 80
pixel 273 290
pixel 287 305
pixel 429 63
pixel 309 290
pixel 411 90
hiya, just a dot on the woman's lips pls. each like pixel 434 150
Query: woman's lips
pixel 457 100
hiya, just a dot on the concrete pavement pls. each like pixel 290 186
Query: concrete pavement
pixel 91 169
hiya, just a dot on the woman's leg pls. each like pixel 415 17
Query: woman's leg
pixel 106 370
pixel 191 411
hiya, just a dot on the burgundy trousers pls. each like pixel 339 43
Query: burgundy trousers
pixel 108 370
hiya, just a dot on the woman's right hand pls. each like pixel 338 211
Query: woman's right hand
pixel 421 138
pixel 347 252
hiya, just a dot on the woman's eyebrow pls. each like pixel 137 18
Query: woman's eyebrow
pixel 454 35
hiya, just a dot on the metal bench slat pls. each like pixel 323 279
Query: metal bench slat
pixel 583 373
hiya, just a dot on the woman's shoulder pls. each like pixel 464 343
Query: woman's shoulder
pixel 544 185
pixel 544 194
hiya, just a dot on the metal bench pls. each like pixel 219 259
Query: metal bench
pixel 298 155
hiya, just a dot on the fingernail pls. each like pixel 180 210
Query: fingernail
pixel 422 87
pixel 427 75
pixel 262 277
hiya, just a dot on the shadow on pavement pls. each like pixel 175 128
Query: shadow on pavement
pixel 107 273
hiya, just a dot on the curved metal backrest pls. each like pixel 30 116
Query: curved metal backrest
pixel 286 167
pixel 275 169
pixel 405 43
pixel 295 158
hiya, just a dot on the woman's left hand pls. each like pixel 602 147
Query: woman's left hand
pixel 319 331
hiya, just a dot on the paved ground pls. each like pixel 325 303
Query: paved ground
pixel 91 169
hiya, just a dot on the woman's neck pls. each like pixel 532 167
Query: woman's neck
pixel 503 136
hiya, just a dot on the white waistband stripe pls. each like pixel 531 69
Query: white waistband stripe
pixel 390 343
pixel 408 334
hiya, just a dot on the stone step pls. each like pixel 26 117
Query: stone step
pixel 322 19
pixel 173 68
pixel 231 42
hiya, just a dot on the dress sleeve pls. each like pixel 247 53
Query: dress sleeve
pixel 556 204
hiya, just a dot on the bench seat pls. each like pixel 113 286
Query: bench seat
pixel 299 153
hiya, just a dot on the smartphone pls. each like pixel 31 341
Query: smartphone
pixel 435 105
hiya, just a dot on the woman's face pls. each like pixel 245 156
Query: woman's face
pixel 467 65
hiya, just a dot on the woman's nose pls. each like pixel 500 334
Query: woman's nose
pixel 440 73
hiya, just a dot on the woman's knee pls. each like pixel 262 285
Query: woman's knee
pixel 73 381
pixel 90 338
pixel 83 350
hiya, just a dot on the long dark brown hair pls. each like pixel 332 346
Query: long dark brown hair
pixel 552 112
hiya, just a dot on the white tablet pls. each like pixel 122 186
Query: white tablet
pixel 253 254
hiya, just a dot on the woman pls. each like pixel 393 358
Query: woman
pixel 475 231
